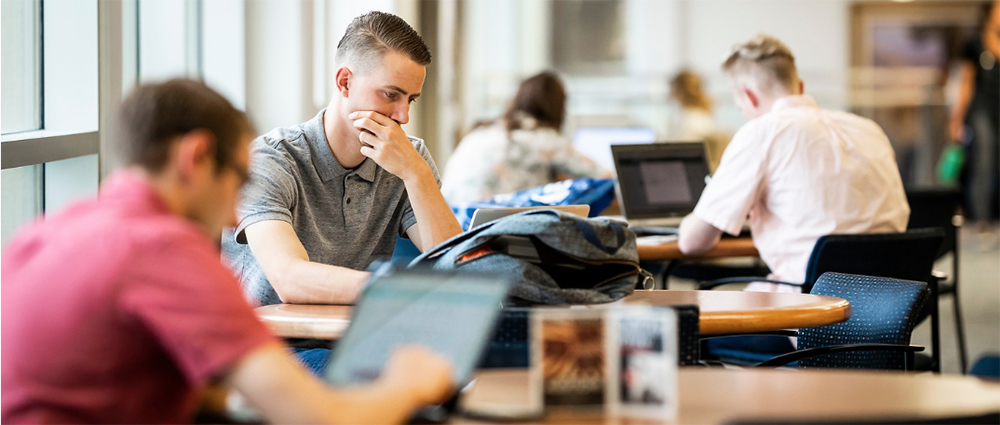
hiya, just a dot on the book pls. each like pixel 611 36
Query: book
pixel 642 343
pixel 623 359
pixel 568 360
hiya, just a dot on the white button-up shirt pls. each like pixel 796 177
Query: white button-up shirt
pixel 800 172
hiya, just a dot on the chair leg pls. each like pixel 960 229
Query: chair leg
pixel 935 329
pixel 960 332
pixel 963 358
pixel 666 272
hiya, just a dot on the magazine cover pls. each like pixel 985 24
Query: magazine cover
pixel 643 348
pixel 569 363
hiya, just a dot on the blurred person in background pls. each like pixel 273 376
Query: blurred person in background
pixel 798 172
pixel 975 120
pixel 119 310
pixel 695 121
pixel 521 150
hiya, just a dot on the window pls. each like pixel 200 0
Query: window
pixel 21 71
pixel 50 101
pixel 589 36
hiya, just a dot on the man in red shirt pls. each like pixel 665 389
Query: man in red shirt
pixel 118 310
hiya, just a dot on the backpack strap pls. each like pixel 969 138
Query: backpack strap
pixel 588 233
pixel 455 240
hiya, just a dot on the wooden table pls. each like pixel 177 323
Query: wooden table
pixel 306 320
pixel 721 312
pixel 660 248
pixel 717 396
pixel 728 312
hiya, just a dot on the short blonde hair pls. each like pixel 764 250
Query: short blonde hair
pixel 764 61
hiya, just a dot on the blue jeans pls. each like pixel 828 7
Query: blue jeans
pixel 314 359
pixel 747 349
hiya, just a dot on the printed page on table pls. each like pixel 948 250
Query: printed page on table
pixel 642 347
pixel 569 364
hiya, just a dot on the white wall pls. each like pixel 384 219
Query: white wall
pixel 817 31
pixel 223 31
pixel 165 27
pixel 491 49
pixel 278 63
pixel 290 55
pixel 507 40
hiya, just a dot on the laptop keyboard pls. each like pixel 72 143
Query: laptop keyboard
pixel 654 230
pixel 509 346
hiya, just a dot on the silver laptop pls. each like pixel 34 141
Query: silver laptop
pixel 404 306
pixel 419 306
pixel 660 183
pixel 485 215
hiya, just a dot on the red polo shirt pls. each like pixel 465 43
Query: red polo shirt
pixel 117 311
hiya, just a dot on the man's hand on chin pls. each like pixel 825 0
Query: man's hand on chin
pixel 385 142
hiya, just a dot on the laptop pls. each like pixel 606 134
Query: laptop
pixel 403 306
pixel 485 215
pixel 595 142
pixel 660 183
pixel 452 313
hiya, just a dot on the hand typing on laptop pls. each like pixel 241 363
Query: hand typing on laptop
pixel 424 376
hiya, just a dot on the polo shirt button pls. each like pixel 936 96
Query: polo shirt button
pixel 348 200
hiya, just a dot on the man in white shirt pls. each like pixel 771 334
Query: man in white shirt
pixel 799 172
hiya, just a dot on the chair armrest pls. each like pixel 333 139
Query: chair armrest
pixel 818 351
pixel 743 279
pixel 788 333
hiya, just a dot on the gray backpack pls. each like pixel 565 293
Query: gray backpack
pixel 557 258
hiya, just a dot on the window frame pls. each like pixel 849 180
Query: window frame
pixel 70 101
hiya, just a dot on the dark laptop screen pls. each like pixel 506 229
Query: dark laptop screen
pixel 661 179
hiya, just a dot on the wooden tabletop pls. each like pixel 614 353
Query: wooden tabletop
pixel 722 312
pixel 306 320
pixel 726 312
pixel 665 248
pixel 717 396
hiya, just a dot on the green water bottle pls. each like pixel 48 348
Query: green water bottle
pixel 950 166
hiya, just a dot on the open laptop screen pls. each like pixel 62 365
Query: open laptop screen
pixel 452 313
pixel 486 215
pixel 595 142
pixel 661 179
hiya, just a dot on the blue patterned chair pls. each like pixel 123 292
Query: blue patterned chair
pixel 909 255
pixel 877 335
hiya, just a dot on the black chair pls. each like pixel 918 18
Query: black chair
pixel 908 256
pixel 937 208
pixel 702 270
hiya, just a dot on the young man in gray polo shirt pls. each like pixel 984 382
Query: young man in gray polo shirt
pixel 328 197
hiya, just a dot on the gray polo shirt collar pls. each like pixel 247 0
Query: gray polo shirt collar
pixel 326 164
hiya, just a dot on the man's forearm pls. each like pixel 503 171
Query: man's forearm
pixel 435 221
pixel 696 236
pixel 294 278
pixel 306 282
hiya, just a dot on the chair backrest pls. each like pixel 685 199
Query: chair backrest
pixel 883 311
pixel 935 207
pixel 908 255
